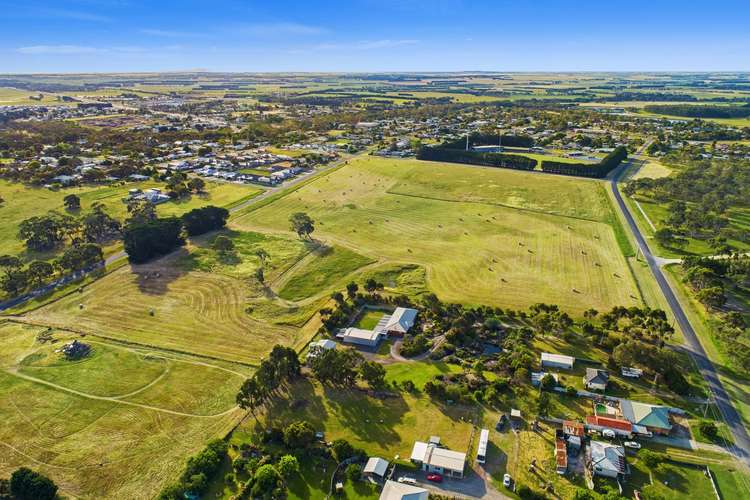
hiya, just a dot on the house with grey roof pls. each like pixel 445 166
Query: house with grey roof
pixel 596 379
pixel 607 459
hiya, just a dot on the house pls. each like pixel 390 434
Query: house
pixel 432 458
pixel 550 360
pixel 596 379
pixel 607 459
pixel 368 338
pixel 400 321
pixel 376 467
pixel 317 347
pixel 402 491
pixel 654 418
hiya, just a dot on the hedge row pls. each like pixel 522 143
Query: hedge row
pixel 597 170
pixel 516 162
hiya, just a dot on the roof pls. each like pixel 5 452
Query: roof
pixel 376 465
pixel 561 453
pixel 645 414
pixel 359 333
pixel 573 428
pixel 401 320
pixel 596 376
pixel 612 423
pixel 608 456
pixel 401 491
pixel 558 358
pixel 515 413
pixel 324 344
pixel 438 457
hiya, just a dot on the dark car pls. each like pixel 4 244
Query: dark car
pixel 501 423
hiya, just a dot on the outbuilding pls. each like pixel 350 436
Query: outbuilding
pixel 550 360
pixel 376 467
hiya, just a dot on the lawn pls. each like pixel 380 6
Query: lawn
pixel 369 319
pixel 99 442
pixel 23 202
pixel 483 235
pixel 383 427
pixel 418 372
pixel 324 267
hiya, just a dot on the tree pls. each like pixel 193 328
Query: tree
pixel 260 275
pixel 666 237
pixel 650 459
pixel 202 220
pixel 223 244
pixel 373 373
pixel 251 395
pixel 288 466
pixel 152 239
pixel 708 429
pixel 543 403
pixel 45 232
pixel 351 290
pixel 548 382
pixel 39 271
pixel 26 484
pixel 353 472
pixel 712 297
pixel 14 278
pixel 302 224
pixel 98 225
pixel 371 285
pixel 337 366
pixel 299 435
pixel 72 203
pixel 342 450
pixel 81 257
pixel 266 481
pixel 140 211
pixel 196 184
pixel 263 256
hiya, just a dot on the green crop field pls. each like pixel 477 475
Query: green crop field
pixel 484 235
pixel 115 424
pixel 22 202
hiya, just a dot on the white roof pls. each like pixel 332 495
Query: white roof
pixel 438 457
pixel 324 344
pixel 608 456
pixel 401 320
pixel 359 333
pixel 401 491
pixel 376 465
pixel 558 358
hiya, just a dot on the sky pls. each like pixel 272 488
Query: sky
pixel 70 36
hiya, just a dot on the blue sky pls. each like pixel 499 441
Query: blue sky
pixel 373 35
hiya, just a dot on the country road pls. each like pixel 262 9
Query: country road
pixel 741 448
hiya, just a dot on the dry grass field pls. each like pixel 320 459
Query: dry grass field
pixel 484 235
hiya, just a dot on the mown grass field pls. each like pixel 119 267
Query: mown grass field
pixel 484 235
pixel 117 424
pixel 23 202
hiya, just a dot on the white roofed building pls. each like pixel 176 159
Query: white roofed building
pixel 376 467
pixel 432 458
pixel 400 322
pixel 402 491
pixel 369 338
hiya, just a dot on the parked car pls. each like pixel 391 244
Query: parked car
pixel 506 480
pixel 435 478
pixel 632 444
pixel 608 433
pixel 407 480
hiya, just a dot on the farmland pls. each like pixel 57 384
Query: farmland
pixel 113 424
pixel 522 238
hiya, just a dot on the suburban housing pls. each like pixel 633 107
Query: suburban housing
pixel 432 458
pixel 596 379
pixel 607 459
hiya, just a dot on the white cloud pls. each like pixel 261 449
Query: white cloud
pixel 170 33
pixel 58 49
pixel 276 29
pixel 365 45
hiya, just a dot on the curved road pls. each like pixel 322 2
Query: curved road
pixel 741 448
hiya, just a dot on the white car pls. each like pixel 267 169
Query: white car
pixel 407 480
pixel 506 480
pixel 608 433
pixel 632 444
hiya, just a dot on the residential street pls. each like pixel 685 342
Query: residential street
pixel 742 440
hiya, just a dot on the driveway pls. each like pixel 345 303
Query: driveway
pixel 471 486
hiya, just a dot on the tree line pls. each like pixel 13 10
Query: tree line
pixel 700 110
pixel 597 170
